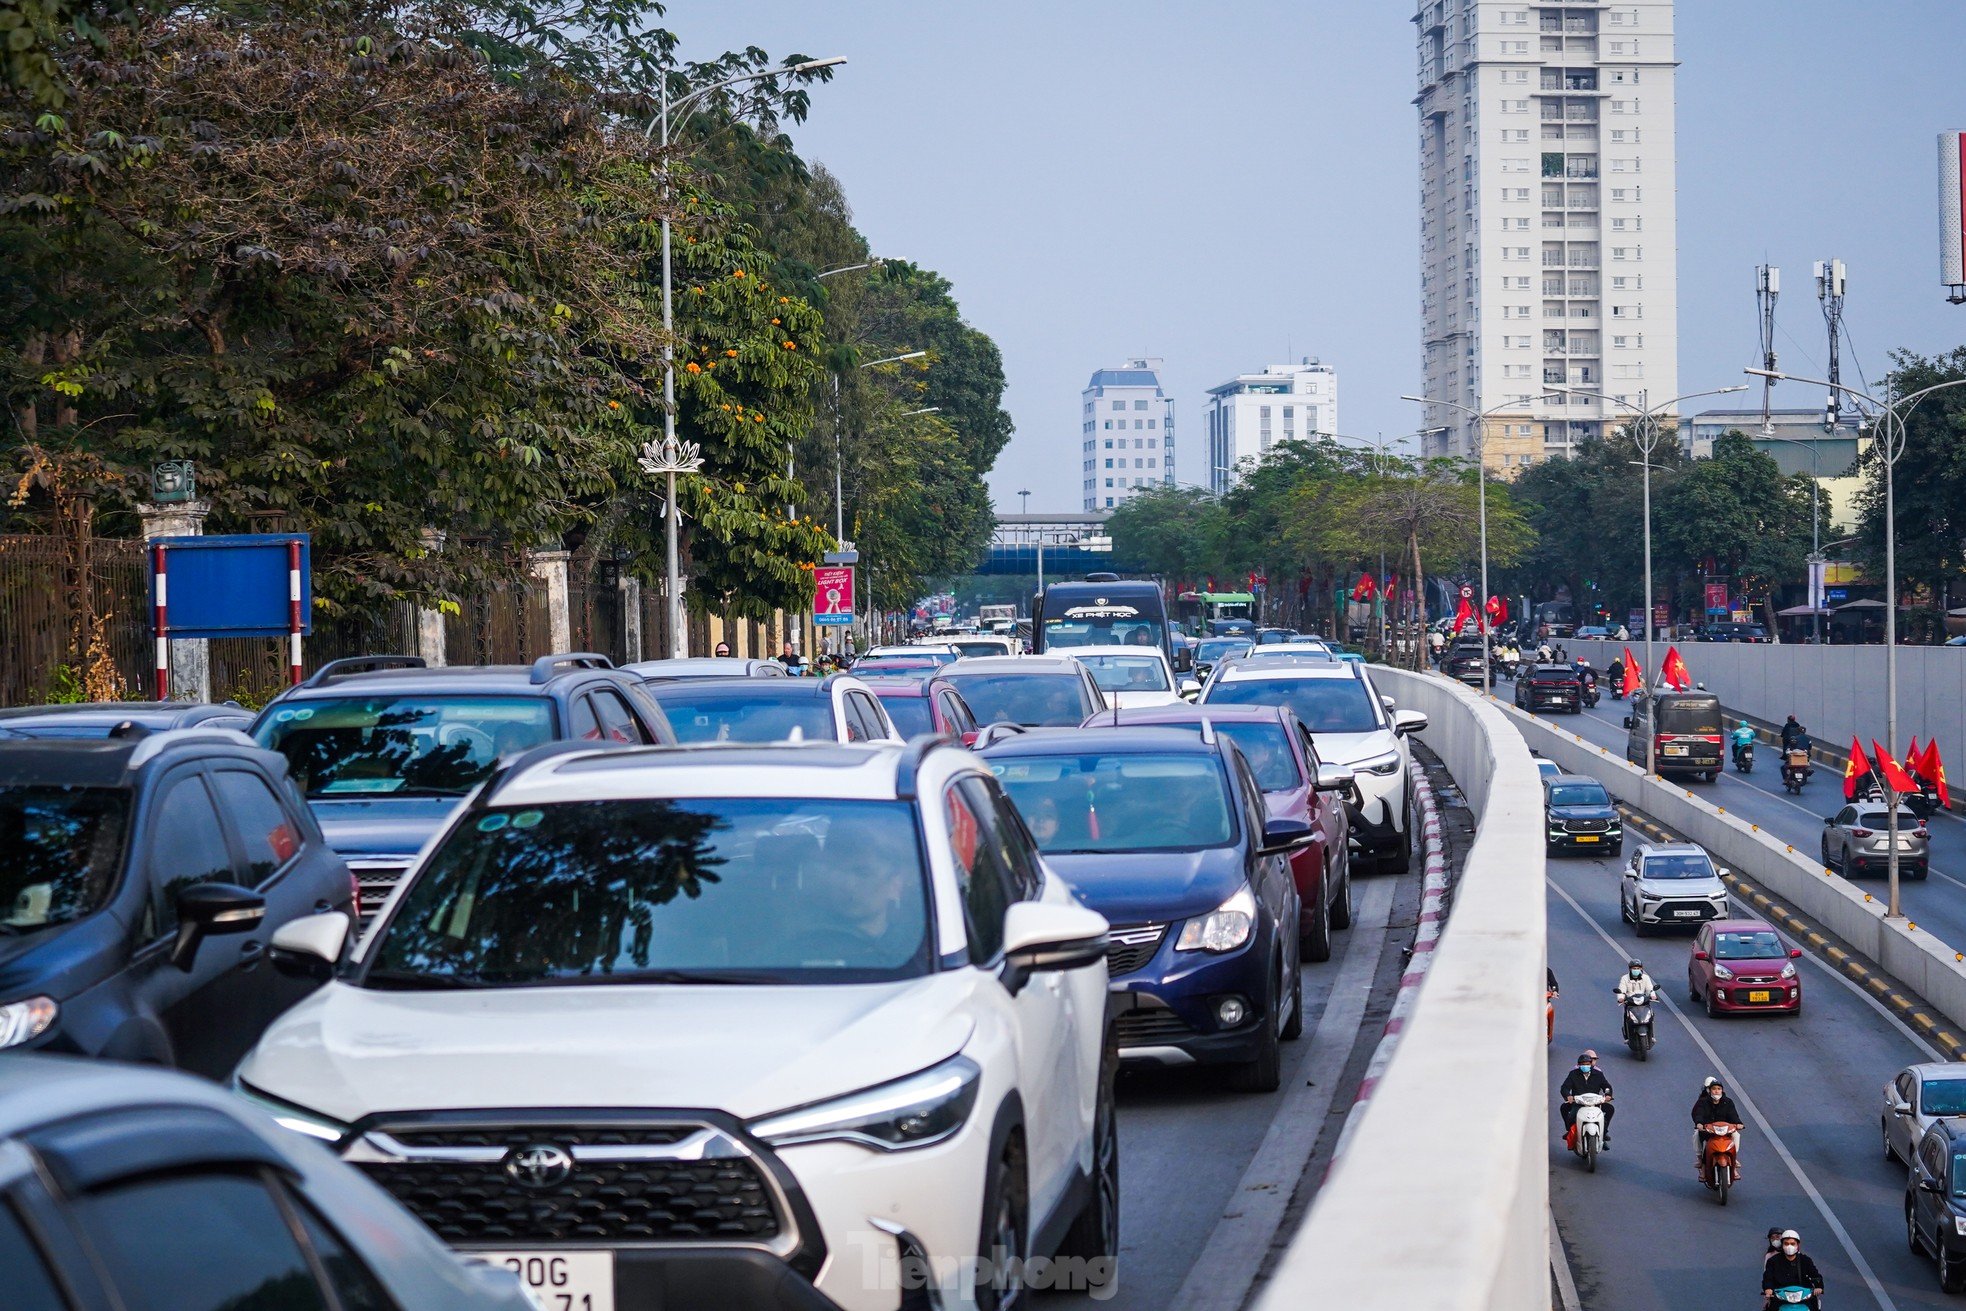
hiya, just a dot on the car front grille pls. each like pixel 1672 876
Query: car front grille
pixel 1153 1027
pixel 1587 825
pixel 1132 947
pixel 1674 911
pixel 668 1184
pixel 377 877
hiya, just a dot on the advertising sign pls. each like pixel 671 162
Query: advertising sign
pixel 1952 214
pixel 1717 599
pixel 832 594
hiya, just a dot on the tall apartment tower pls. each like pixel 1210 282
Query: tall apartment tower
pixel 1548 229
pixel 1247 415
pixel 1126 433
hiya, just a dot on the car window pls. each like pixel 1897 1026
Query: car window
pixel 1677 867
pixel 856 720
pixel 1905 1082
pixel 30 1284
pixel 1845 815
pixel 401 745
pixel 187 847
pixel 982 873
pixel 199 1242
pixel 1026 871
pixel 1942 1097
pixel 1033 700
pixel 870 714
pixel 1929 1156
pixel 1325 705
pixel 1957 1176
pixel 264 831
pixel 911 714
pixel 1267 748
pixel 1126 673
pixel 355 1286
pixel 63 848
pixel 1755 944
pixel 956 712
pixel 584 723
pixel 1123 801
pixel 1879 820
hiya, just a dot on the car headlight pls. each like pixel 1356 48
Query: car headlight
pixel 1381 764
pixel 921 1109
pixel 1959 1225
pixel 1788 970
pixel 300 1120
pixel 24 1020
pixel 1722 972
pixel 1223 929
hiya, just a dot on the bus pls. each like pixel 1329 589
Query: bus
pixel 1216 613
pixel 1103 610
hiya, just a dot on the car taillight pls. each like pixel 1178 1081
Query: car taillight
pixel 1859 832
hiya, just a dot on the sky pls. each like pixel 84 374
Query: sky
pixel 1236 184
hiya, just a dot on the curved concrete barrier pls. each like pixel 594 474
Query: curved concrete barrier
pixel 1441 1198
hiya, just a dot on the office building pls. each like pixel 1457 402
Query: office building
pixel 1249 414
pixel 1127 433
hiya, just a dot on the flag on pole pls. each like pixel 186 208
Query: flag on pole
pixel 1912 758
pixel 1498 611
pixel 1363 589
pixel 1674 673
pixel 1855 768
pixel 1463 614
pixel 1633 678
pixel 1933 771
pixel 1892 772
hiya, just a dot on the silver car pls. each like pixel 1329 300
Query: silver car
pixel 1671 884
pixel 1856 840
pixel 1919 1095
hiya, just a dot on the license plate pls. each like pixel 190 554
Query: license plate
pixel 1675 751
pixel 561 1281
pixel 1686 914
pixel 1583 837
pixel 1760 994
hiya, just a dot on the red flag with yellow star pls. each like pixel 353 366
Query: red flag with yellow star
pixel 1855 768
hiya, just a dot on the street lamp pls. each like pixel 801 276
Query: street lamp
pixel 668 458
pixel 1645 432
pixel 1892 415
pixel 839 467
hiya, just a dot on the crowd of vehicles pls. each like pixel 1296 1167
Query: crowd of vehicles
pixel 686 983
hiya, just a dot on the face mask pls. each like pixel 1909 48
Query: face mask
pixel 1636 973
pixel 1789 1249
pixel 1585 1068
pixel 1714 1096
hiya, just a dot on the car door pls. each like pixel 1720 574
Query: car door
pixel 1928 1166
pixel 1628 886
pixel 1270 876
pixel 1902 1127
pixel 618 722
pixel 1839 843
pixel 1699 973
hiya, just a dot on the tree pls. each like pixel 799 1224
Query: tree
pixel 1739 511
pixel 1178 533
pixel 1930 483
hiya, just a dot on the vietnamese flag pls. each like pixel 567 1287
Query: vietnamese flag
pixel 1855 768
pixel 1894 774
pixel 1392 583
pixel 1674 674
pixel 1633 679
pixel 1463 615
pixel 1498 611
pixel 1912 758
pixel 1363 589
pixel 1933 771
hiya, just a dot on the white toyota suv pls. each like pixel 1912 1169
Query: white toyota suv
pixel 1353 726
pixel 767 1026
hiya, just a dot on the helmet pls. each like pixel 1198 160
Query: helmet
pixel 1790 1233
pixel 1709 1082
pixel 1635 965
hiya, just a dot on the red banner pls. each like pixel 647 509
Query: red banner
pixel 832 594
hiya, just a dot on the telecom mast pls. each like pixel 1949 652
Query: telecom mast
pixel 1767 290
pixel 1829 290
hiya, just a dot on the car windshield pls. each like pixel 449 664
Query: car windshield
pixel 1212 649
pixel 1677 867
pixel 1125 673
pixel 401 745
pixel 63 847
pixel 1033 700
pixel 967 649
pixel 910 714
pixel 709 712
pixel 1942 1097
pixel 1119 802
pixel 1756 944
pixel 1326 705
pixel 716 890
pixel 1070 631
pixel 1579 794
pixel 920 665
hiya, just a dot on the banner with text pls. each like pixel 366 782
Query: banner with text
pixel 832 594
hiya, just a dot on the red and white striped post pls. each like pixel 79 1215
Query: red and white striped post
pixel 163 626
pixel 293 610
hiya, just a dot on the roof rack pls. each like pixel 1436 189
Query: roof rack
pixel 911 761
pixel 362 664
pixel 991 734
pixel 155 744
pixel 510 767
pixel 544 668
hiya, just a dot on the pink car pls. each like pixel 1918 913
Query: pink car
pixel 1743 966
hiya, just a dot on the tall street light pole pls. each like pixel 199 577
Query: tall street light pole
pixel 839 469
pixel 1892 430
pixel 668 459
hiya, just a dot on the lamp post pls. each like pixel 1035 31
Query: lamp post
pixel 668 458
pixel 1645 432
pixel 1892 416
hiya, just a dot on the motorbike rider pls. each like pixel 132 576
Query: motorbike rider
pixel 1712 1106
pixel 1615 671
pixel 1586 1078
pixel 1790 1267
pixel 1791 730
pixel 1742 737
pixel 1635 983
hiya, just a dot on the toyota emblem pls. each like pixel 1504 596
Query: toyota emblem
pixel 539 1165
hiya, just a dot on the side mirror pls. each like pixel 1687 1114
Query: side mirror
pixel 1334 778
pixel 1928 1185
pixel 1829 819
pixel 1283 836
pixel 1723 871
pixel 1628 721
pixel 311 946
pixel 1901 1108
pixel 1795 953
pixel 1409 721
pixel 1699 955
pixel 969 738
pixel 1039 936
pixel 1387 701
pixel 209 910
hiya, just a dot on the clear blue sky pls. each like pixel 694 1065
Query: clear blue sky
pixel 1230 185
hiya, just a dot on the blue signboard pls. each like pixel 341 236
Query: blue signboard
pixel 1837 594
pixel 232 586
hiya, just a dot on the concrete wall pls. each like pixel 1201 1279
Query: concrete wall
pixel 1452 1215
pixel 1834 690
pixel 1929 966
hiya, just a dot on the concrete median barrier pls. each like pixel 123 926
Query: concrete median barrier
pixel 1441 1197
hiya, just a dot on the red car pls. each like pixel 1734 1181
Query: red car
pixel 924 705
pixel 1743 966
pixel 1296 785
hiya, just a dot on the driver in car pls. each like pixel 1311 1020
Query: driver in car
pixel 859 901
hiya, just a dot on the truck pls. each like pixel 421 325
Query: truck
pixel 997 618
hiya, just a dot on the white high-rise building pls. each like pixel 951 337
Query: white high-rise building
pixel 1127 433
pixel 1251 412
pixel 1548 218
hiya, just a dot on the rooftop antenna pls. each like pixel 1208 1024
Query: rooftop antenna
pixel 1829 290
pixel 1767 290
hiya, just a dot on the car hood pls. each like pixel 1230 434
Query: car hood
pixel 1131 700
pixel 64 959
pixel 1349 748
pixel 1696 888
pixel 347 1052
pixel 1583 812
pixel 1142 887
pixel 382 826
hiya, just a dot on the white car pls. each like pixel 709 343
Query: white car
pixel 1671 884
pixel 1304 647
pixel 1130 676
pixel 1353 726
pixel 724 1026
pixel 1919 1096
pixel 838 708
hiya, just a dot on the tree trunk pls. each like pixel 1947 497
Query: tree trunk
pixel 1419 602
pixel 27 414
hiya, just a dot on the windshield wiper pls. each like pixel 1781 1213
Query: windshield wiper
pixel 414 980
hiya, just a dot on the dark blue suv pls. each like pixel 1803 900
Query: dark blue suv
pixel 384 747
pixel 141 877
pixel 1165 834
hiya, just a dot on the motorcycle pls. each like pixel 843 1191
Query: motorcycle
pixel 1794 1295
pixel 1744 757
pixel 1587 1133
pixel 1638 1030
pixel 1618 686
pixel 1796 770
pixel 1588 678
pixel 1720 1149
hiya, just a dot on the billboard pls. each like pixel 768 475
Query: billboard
pixel 1952 214
pixel 832 594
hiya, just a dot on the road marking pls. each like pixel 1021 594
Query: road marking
pixel 1226 1269
pixel 1747 1104
pixel 1566 1282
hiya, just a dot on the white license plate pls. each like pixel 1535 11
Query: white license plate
pixel 1686 914
pixel 1675 751
pixel 561 1281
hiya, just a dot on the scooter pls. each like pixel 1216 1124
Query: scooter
pixel 1638 1024
pixel 1744 757
pixel 1720 1150
pixel 1796 770
pixel 1587 1132
pixel 1794 1296
pixel 1589 680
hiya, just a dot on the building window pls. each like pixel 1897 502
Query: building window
pixel 1119 405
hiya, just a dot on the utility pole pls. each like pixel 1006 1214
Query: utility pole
pixel 1767 290
pixel 1829 290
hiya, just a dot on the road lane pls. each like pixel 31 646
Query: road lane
pixel 1642 1232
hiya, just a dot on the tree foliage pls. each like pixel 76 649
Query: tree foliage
pixel 1930 483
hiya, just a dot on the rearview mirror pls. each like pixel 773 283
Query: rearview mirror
pixel 1829 819
pixel 1283 836
pixel 1387 701
pixel 311 946
pixel 1409 721
pixel 1795 953
pixel 1699 955
pixel 1039 936
pixel 1628 721
pixel 1333 778
pixel 209 910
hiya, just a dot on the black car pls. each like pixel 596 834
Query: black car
pixel 383 747
pixel 1935 1200
pixel 1578 816
pixel 97 718
pixel 1465 661
pixel 1164 832
pixel 1550 687
pixel 142 878
pixel 1733 632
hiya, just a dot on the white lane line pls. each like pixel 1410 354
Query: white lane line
pixel 1226 1269
pixel 1566 1282
pixel 1747 1104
